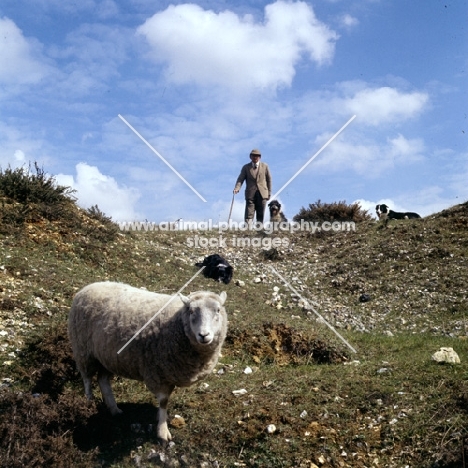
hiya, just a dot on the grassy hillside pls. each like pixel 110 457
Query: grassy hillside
pixel 386 405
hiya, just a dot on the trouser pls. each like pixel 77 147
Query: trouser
pixel 255 205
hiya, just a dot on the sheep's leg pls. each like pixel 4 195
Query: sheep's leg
pixel 88 388
pixel 87 376
pixel 162 430
pixel 107 395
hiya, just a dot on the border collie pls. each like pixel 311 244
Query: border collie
pixel 216 267
pixel 383 212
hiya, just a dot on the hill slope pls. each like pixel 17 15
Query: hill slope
pixel 386 405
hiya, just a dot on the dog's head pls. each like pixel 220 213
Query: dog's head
pixel 217 267
pixel 275 207
pixel 224 273
pixel 381 209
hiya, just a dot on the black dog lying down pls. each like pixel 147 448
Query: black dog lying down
pixel 216 267
pixel 383 212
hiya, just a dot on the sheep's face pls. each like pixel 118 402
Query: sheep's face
pixel 206 317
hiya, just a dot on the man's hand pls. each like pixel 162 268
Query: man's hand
pixel 235 191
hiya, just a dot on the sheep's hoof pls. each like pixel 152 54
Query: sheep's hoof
pixel 163 442
pixel 164 436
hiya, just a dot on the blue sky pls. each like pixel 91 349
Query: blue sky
pixel 206 82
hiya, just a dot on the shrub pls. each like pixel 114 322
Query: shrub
pixel 95 213
pixel 105 230
pixel 336 211
pixel 32 195
pixel 25 186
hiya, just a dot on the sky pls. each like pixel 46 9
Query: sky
pixel 149 109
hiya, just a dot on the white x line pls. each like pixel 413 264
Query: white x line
pixel 160 310
pixel 313 157
pixel 162 159
pixel 313 310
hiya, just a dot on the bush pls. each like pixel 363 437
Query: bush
pixel 106 230
pixel 336 211
pixel 32 194
pixel 25 186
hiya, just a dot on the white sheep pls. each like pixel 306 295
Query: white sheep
pixel 180 346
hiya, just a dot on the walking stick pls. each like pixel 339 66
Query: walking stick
pixel 232 203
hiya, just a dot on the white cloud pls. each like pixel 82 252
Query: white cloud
pixel 236 52
pixel 19 155
pixel 374 107
pixel 370 205
pixel 92 44
pixel 426 201
pixel 348 21
pixel 382 105
pixel 368 158
pixel 403 150
pixel 20 57
pixel 93 54
pixel 20 145
pixel 94 188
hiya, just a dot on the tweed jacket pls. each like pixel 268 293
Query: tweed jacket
pixel 262 181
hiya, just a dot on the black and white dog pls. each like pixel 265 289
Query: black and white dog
pixel 383 212
pixel 276 215
pixel 216 267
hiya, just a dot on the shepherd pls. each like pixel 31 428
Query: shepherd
pixel 257 177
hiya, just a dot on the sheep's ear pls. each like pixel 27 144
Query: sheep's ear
pixel 185 299
pixel 223 296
